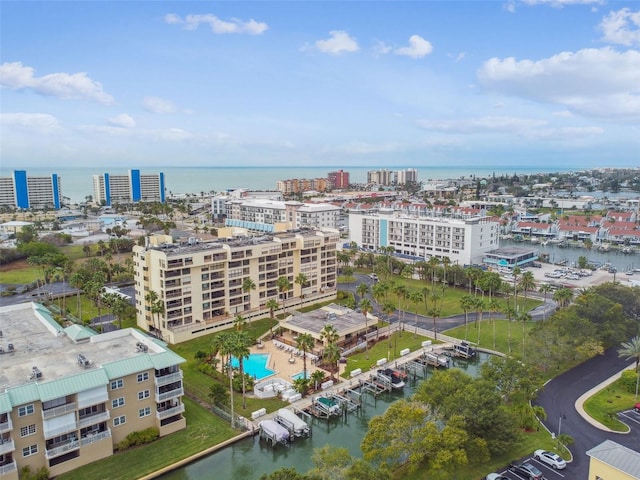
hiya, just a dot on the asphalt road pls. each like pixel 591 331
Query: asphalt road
pixel 559 397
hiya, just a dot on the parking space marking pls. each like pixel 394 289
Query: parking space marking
pixel 633 417
pixel 547 467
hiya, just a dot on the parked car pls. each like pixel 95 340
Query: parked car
pixel 636 407
pixel 526 470
pixel 550 458
pixel 374 277
pixel 495 476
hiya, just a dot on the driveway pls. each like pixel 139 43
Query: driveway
pixel 559 397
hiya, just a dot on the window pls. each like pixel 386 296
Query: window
pixel 26 410
pixel 117 402
pixel 143 377
pixel 116 384
pixel 143 412
pixel 30 450
pixel 143 394
pixel 121 420
pixel 28 430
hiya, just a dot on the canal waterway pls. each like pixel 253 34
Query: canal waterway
pixel 569 255
pixel 252 457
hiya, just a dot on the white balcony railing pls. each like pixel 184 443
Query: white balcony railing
pixel 6 426
pixel 166 379
pixel 62 429
pixel 61 410
pixel 8 468
pixel 93 419
pixel 169 412
pixel 95 437
pixel 7 445
pixel 62 449
pixel 161 397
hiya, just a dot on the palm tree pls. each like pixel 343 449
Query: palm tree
pixel 239 322
pixel 527 283
pixel 226 347
pixel 151 297
pixel 516 273
pixel 273 305
pixel 631 351
pixel 494 306
pixel 158 309
pixel 466 303
pixel 388 308
pixel 284 285
pixel 301 279
pixel 77 280
pixel 524 317
pixel 509 311
pixel 401 293
pixel 434 310
pixel 362 289
pixel 478 304
pixel 305 342
pixel 329 334
pixel 316 378
pixel 332 355
pixel 247 285
pixel 545 288
pixel 365 308
pixel 563 296
pixel 240 343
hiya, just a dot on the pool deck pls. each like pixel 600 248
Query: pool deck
pixel 279 361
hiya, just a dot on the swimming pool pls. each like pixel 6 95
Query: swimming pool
pixel 255 365
pixel 299 375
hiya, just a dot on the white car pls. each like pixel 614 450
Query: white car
pixel 496 476
pixel 552 459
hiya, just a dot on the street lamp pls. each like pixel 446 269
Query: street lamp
pixel 563 416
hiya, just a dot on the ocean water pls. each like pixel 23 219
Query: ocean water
pixel 77 183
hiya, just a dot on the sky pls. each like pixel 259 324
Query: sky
pixel 137 84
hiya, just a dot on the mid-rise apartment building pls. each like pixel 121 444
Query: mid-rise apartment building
pixel 71 395
pixel 301 185
pixel 23 191
pixel 463 239
pixel 409 175
pixel 109 189
pixel 260 215
pixel 201 286
pixel 380 177
pixel 338 180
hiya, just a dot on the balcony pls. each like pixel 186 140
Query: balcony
pixel 169 378
pixel 95 437
pixel 61 430
pixel 93 419
pixel 161 397
pixel 62 449
pixel 8 445
pixel 8 468
pixel 170 412
pixel 61 410
pixel 6 426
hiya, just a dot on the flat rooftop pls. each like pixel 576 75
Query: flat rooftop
pixel 511 251
pixel 38 341
pixel 343 319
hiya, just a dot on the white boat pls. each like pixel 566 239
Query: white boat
pixel 326 405
pixel 388 375
pixel 274 431
pixel 292 422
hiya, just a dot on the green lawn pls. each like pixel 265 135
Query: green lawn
pixel 486 334
pixel 204 430
pixel 604 405
pixel 20 276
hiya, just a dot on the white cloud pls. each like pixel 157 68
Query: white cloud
pixel 144 135
pixel 418 48
pixel 482 125
pixel 158 105
pixel 592 82
pixel 66 86
pixel 381 48
pixel 621 27
pixel 339 42
pixel 218 26
pixel 40 122
pixel 123 120
pixel 562 3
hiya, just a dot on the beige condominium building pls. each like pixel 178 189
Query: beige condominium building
pixel 70 395
pixel 201 287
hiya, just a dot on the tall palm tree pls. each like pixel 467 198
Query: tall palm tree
pixel 239 322
pixel 240 343
pixel 305 342
pixel 516 273
pixel 478 305
pixel 77 280
pixel 388 308
pixel 365 308
pixel 301 279
pixel 284 285
pixel 545 288
pixel 631 351
pixel 415 297
pixel 493 306
pixel 510 312
pixel 273 305
pixel 527 282
pixel 563 296
pixel 151 297
pixel 401 293
pixel 524 317
pixel 466 303
pixel 329 334
pixel 435 310
pixel 226 347
pixel 362 289
pixel 247 285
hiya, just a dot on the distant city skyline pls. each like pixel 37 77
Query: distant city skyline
pixel 547 83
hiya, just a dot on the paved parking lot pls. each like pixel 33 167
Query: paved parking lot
pixel 630 417
pixel 548 472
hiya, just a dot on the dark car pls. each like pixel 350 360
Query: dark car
pixel 527 471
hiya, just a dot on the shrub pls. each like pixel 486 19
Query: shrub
pixel 628 380
pixel 139 438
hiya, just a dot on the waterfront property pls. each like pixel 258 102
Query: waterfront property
pixel 511 257
pixel 255 365
pixel 71 395
pixel 23 191
pixel 129 188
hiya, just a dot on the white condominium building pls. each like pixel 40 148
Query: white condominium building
pixel 261 215
pixel 464 239
pixel 132 187
pixel 70 395
pixel 25 191
pixel 202 287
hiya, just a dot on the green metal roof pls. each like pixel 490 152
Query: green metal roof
pixel 72 384
pixel 46 314
pixel 127 366
pixel 78 333
pixel 5 403
pixel 24 394
pixel 166 359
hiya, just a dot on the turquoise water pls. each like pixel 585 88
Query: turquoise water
pixel 255 365
pixel 299 375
